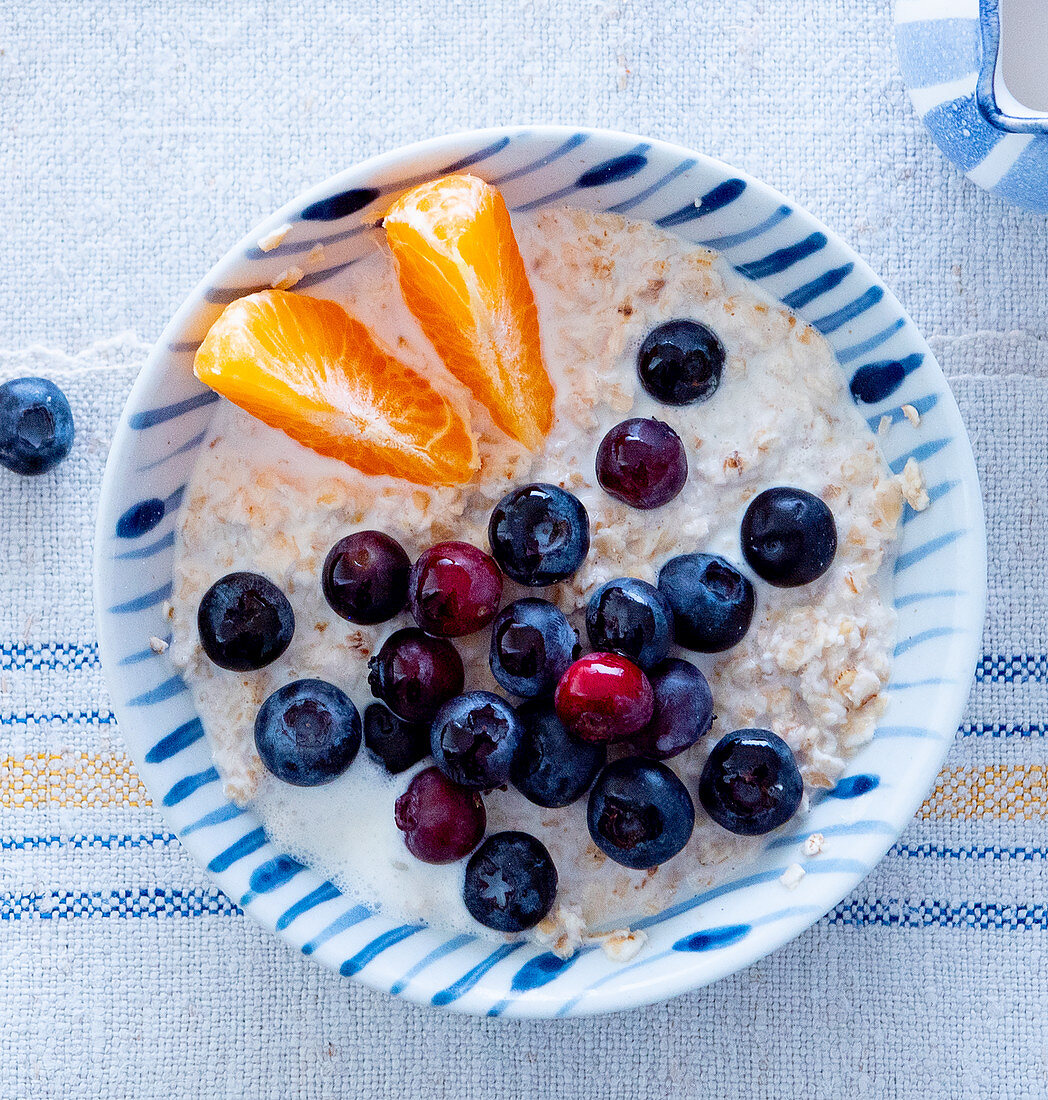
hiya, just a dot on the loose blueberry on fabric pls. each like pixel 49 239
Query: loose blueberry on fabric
pixel 539 534
pixel 510 882
pixel 552 768
pixel 474 738
pixel 630 617
pixel 789 537
pixel 440 820
pixel 640 814
pixel 642 463
pixel 680 362
pixel 712 601
pixel 532 645
pixel 604 697
pixel 454 590
pixel 750 783
pixel 683 710
pixel 307 732
pixel 394 743
pixel 245 622
pixel 36 425
pixel 365 577
pixel 415 674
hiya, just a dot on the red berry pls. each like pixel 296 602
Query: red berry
pixel 440 820
pixel 642 462
pixel 604 697
pixel 454 589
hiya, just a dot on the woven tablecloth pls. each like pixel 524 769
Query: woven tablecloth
pixel 137 141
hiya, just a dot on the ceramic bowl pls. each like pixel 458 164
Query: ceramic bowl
pixel 949 52
pixel 939 578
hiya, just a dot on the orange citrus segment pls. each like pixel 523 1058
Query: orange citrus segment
pixel 305 366
pixel 462 276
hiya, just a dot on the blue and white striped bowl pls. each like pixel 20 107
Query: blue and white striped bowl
pixel 940 578
pixel 948 53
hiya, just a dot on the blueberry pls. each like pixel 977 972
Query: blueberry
pixel 712 601
pixel 510 882
pixel 788 536
pixel 532 644
pixel 640 814
pixel 396 744
pixel 683 710
pixel 415 675
pixel 642 463
pixel 474 738
pixel 307 732
pixel 681 362
pixel 552 768
pixel 539 534
pixel 36 425
pixel 245 622
pixel 365 577
pixel 750 783
pixel 630 617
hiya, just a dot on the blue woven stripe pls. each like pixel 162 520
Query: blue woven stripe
pixel 71 717
pixel 49 655
pixel 201 902
pixel 194 902
pixel 928 913
pixel 75 656
pixel 132 841
pixel 102 842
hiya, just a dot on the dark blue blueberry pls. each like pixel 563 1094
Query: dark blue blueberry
pixel 474 738
pixel 681 362
pixel 245 622
pixel 552 768
pixel 396 744
pixel 307 732
pixel 539 534
pixel 365 577
pixel 36 425
pixel 788 536
pixel 532 645
pixel 712 601
pixel 683 710
pixel 640 814
pixel 630 617
pixel 750 783
pixel 510 882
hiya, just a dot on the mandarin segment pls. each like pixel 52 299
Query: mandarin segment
pixel 462 276
pixel 303 365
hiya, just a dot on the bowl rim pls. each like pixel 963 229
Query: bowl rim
pixel 622 995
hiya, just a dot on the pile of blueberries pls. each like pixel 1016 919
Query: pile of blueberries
pixel 600 722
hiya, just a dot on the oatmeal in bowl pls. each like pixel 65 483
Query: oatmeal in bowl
pixel 537 579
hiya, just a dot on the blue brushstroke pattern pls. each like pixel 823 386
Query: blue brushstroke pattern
pixel 153 417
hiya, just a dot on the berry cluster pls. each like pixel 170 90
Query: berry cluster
pixel 627 699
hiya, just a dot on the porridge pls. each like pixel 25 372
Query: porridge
pixel 811 667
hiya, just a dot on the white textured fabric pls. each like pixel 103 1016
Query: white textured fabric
pixel 135 145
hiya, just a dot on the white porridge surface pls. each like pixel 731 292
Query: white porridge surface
pixel 812 666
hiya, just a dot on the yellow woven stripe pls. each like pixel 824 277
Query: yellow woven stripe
pixel 996 793
pixel 79 780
